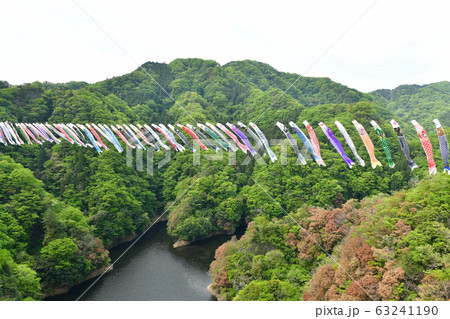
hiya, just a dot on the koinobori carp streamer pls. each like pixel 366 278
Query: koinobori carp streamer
pixel 384 143
pixel 336 144
pixel 231 146
pixel 263 138
pixel 307 143
pixel 292 141
pixel 193 135
pixel 215 136
pixel 403 144
pixel 443 145
pixel 203 137
pixel 181 136
pixel 243 138
pixel 427 147
pixel 180 147
pixel 258 142
pixel 367 143
pixel 313 138
pixel 242 146
pixel 349 142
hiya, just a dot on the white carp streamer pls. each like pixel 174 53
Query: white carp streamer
pixel 349 142
pixel 160 136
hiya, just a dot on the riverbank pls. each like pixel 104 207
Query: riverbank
pixel 107 268
pixel 154 270
pixel 182 243
pixel 94 274
pixel 127 239
pixel 214 293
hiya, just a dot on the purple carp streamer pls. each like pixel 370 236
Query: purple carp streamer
pixel 259 145
pixel 101 136
pixel 243 138
pixel 337 145
pixel 403 144
pixel 367 143
pixel 349 142
pixel 384 143
pixel 443 144
pixel 427 147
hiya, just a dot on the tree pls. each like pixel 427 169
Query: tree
pixel 268 291
pixel 17 281
pixel 60 263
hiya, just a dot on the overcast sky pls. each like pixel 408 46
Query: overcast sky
pixel 395 42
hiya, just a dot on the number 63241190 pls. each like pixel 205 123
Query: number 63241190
pixel 407 311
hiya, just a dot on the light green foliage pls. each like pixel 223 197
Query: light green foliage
pixel 399 228
pixel 212 203
pixel 421 103
pixel 268 291
pixel 261 265
pixel 425 241
pixel 71 200
pixel 17 281
pixel 60 264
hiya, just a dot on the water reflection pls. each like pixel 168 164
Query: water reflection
pixel 153 270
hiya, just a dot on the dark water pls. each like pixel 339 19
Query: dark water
pixel 153 270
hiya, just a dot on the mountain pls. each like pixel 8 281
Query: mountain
pixel 422 103
pixel 78 201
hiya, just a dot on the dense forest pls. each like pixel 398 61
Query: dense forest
pixel 383 247
pixel 62 206
pixel 421 103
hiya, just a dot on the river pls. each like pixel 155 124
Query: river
pixel 153 270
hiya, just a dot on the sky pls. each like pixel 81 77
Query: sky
pixel 366 45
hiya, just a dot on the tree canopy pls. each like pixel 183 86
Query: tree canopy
pixel 62 206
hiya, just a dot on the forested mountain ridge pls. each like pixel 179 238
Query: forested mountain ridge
pixel 238 90
pixel 84 202
pixel 418 102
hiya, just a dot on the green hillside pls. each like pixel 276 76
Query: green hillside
pixel 421 103
pixel 387 247
pixel 64 206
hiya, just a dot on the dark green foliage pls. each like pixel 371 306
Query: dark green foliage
pixel 4 84
pixel 422 103
pixel 62 204
pixel 41 238
pixel 211 204
pixel 396 247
